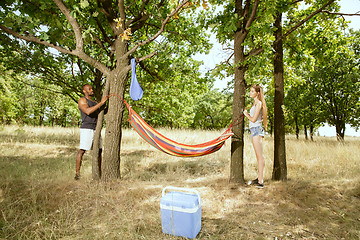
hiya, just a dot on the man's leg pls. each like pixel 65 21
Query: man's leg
pixel 79 156
pixel 86 137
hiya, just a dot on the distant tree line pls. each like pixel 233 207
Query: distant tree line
pixel 28 101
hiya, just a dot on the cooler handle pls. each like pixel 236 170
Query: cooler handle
pixel 183 190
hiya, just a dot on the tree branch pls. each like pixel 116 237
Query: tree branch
pixel 253 14
pixel 168 31
pixel 52 76
pixel 79 51
pixel 47 73
pixel 296 1
pixel 152 74
pixel 105 7
pixel 228 60
pixel 139 23
pixel 304 20
pixel 139 20
pixel 48 89
pixel 260 50
pixel 146 57
pixel 161 30
pixel 255 52
pixel 75 25
pixel 100 44
pixel 30 38
pixel 341 14
pixel 103 32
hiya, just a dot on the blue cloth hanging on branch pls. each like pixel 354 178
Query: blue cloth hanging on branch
pixel 136 92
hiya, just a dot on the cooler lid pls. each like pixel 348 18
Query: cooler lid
pixel 179 201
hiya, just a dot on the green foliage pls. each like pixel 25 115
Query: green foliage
pixel 225 22
pixel 170 101
pixel 328 85
pixel 336 83
pixel 172 68
pixel 213 110
pixel 51 68
pixel 7 97
pixel 30 101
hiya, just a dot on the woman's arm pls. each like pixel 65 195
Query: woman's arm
pixel 256 114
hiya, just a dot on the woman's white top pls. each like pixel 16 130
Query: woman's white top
pixel 258 121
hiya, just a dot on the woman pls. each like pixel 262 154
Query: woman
pixel 258 114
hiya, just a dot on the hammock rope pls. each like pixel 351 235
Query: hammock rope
pixel 172 147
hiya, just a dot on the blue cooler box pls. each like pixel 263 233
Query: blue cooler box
pixel 180 212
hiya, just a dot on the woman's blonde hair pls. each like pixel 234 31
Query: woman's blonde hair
pixel 261 97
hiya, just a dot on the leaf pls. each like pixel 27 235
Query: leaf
pixel 126 35
pixel 119 23
pixel 84 3
pixel 188 4
pixel 205 5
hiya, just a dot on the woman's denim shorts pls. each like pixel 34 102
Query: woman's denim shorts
pixel 257 131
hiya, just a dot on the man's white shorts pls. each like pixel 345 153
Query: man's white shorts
pixel 86 139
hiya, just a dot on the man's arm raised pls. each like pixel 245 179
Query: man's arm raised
pixel 83 106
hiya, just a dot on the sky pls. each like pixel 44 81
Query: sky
pixel 217 54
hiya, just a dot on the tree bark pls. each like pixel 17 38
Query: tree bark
pixel 297 130
pixel 115 83
pixel 340 130
pixel 95 153
pixel 280 169
pixel 98 85
pixel 311 132
pixel 237 140
pixel 111 159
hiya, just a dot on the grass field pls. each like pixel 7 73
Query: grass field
pixel 39 199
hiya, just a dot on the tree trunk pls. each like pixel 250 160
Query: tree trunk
pixel 340 130
pixel 97 85
pixel 280 169
pixel 311 132
pixel 237 140
pixel 41 120
pixel 111 159
pixel 297 130
pixel 305 132
pixel 95 153
pixel 115 83
pixel 311 123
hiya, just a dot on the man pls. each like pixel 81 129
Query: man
pixel 89 110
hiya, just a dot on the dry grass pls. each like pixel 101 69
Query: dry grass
pixel 40 200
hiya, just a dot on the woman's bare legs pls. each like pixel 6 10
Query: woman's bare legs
pixel 257 144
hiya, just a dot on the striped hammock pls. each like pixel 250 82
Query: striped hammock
pixel 169 146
